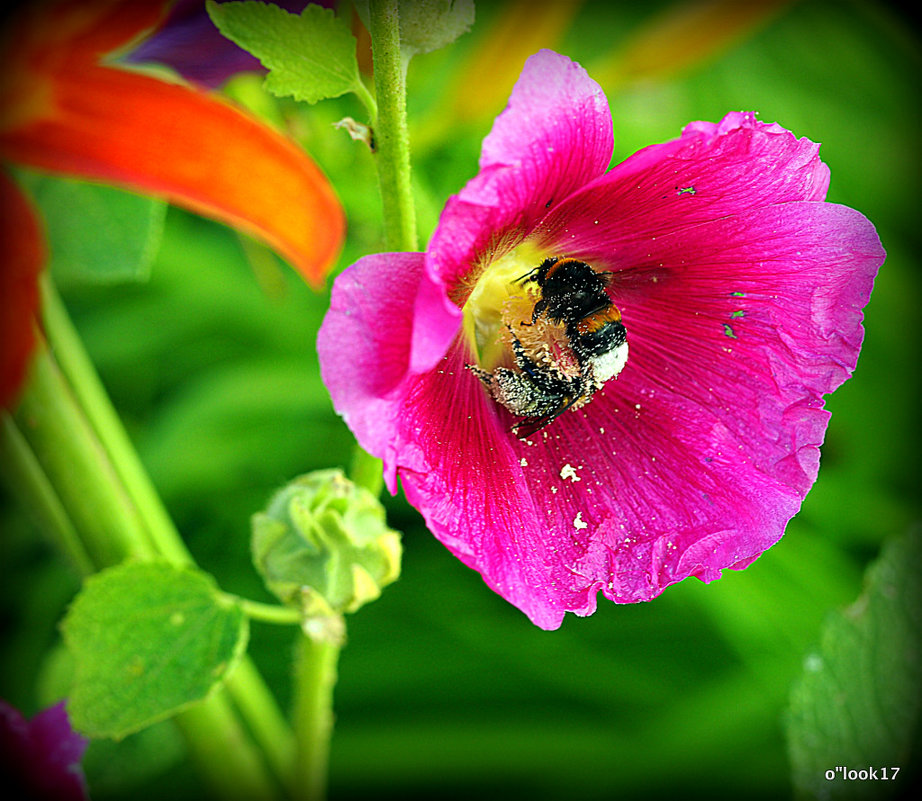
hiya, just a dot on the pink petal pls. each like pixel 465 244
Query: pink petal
pixel 364 346
pixel 695 458
pixel 692 461
pixel 461 469
pixel 569 141
pixel 554 136
pixel 711 171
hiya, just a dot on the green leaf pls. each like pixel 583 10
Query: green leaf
pixel 857 703
pixel 97 234
pixel 148 639
pixel 310 57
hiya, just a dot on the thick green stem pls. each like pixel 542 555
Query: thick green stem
pixel 78 467
pixel 392 141
pixel 26 478
pixel 223 752
pixel 58 439
pixel 268 726
pixel 315 677
pixel 92 397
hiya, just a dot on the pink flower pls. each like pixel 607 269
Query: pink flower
pixel 40 758
pixel 740 291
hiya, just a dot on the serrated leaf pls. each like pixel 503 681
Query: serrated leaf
pixel 97 234
pixel 857 704
pixel 310 56
pixel 148 639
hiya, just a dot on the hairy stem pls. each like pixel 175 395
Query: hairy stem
pixel 391 137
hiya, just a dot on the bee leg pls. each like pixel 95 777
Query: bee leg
pixel 483 375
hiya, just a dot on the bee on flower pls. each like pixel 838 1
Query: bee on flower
pixel 607 381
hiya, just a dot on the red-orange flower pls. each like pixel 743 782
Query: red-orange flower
pixel 64 110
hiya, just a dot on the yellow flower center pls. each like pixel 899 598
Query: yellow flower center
pixel 501 306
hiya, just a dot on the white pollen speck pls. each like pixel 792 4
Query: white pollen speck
pixel 637 406
pixel 523 462
pixel 578 521
pixel 568 471
pixel 553 490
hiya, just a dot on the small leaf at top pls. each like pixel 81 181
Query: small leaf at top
pixel 428 25
pixel 310 57
pixel 857 704
pixel 148 639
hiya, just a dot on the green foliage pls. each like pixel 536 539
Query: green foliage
pixel 310 57
pixel 97 234
pixel 857 704
pixel 147 640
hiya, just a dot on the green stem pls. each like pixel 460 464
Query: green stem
pixel 77 367
pixel 268 613
pixel 315 677
pixel 367 100
pixel 269 727
pixel 391 137
pixel 223 752
pixel 78 467
pixel 58 438
pixel 29 483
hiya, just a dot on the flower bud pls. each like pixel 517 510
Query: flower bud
pixel 323 545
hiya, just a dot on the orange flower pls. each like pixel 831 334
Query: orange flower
pixel 64 111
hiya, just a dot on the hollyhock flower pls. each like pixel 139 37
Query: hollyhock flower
pixel 65 110
pixel 740 291
pixel 41 757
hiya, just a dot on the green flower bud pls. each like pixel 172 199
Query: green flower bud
pixel 323 545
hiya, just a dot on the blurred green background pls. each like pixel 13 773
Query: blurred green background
pixel 444 688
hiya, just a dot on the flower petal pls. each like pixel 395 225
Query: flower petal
pixel 569 141
pixel 364 347
pixel 741 292
pixel 23 255
pixel 82 30
pixel 195 150
pixel 461 468
pixel 40 758
pixel 554 136
pixel 691 462
pixel 711 171
pixel 695 458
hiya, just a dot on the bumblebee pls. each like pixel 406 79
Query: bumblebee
pixel 544 385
